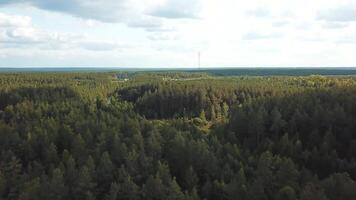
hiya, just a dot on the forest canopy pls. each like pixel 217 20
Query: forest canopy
pixel 177 135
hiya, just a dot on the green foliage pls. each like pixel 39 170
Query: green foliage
pixel 176 136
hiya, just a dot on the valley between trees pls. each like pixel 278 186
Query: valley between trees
pixel 176 135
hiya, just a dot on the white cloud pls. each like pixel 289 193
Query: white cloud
pixel 281 23
pixel 163 37
pixel 105 10
pixel 111 11
pixel 19 32
pixel 334 25
pixel 6 21
pixel 259 12
pixel 177 9
pixel 261 36
pixel 347 39
pixel 344 13
pixel 102 45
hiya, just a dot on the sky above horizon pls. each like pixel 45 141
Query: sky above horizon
pixel 170 33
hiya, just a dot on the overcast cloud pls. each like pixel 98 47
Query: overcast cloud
pixel 343 13
pixel 102 10
pixel 170 33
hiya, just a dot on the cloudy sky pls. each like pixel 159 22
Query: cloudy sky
pixel 170 33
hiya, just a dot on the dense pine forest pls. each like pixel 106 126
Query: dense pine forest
pixel 176 136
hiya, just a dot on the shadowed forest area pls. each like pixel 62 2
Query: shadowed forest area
pixel 176 136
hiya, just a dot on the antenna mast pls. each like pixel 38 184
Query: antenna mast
pixel 199 60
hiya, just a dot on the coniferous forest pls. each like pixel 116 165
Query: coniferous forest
pixel 176 136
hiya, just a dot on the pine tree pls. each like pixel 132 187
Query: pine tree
pixel 340 186
pixel 313 192
pixel 84 184
pixel 12 175
pixel 193 195
pixel 256 128
pixel 31 190
pixel 51 155
pixel 175 192
pixel 225 110
pixel 127 187
pixel 2 184
pixel 202 115
pixel 79 149
pixel 237 188
pixel 190 179
pixel 277 122
pixel 113 192
pixel 154 189
pixel 286 193
pixel 104 173
pixel 256 190
pixel 71 175
pixel 56 188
